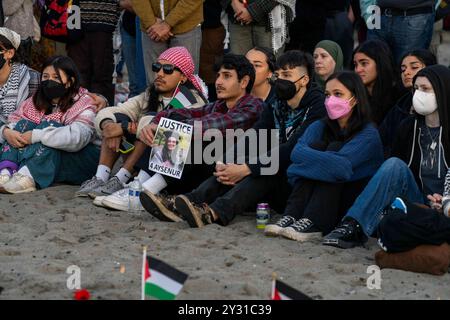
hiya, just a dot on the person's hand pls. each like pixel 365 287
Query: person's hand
pixel 27 136
pixel 237 7
pixel 113 143
pixel 14 138
pixel 244 16
pixel 99 101
pixel 112 130
pixel 148 134
pixel 132 128
pixel 126 4
pixel 232 173
pixel 160 31
pixel 435 201
pixel 351 15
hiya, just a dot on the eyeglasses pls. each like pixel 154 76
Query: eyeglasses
pixel 167 68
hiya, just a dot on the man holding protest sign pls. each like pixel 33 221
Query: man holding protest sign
pixel 234 109
pixel 174 74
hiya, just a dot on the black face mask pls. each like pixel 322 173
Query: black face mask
pixel 53 89
pixel 285 89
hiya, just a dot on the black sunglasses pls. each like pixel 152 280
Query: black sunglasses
pixel 167 68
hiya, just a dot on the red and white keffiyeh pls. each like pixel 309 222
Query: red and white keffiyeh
pixel 182 59
pixel 83 102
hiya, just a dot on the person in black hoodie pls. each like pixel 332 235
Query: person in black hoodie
pixel 421 153
pixel 234 188
pixel 412 62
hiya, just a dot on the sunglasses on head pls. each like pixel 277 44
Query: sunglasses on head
pixel 167 68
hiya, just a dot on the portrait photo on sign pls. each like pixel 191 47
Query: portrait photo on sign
pixel 170 147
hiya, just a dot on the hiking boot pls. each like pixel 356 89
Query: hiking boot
pixel 89 186
pixel 348 234
pixel 274 229
pixel 160 206
pixel 302 230
pixel 108 188
pixel 19 183
pixel 196 215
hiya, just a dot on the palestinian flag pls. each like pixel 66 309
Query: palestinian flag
pixel 281 291
pixel 160 280
pixel 182 98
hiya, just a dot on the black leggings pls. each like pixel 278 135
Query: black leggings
pixel 324 203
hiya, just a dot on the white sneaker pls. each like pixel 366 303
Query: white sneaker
pixel 98 201
pixel 19 183
pixel 118 200
pixel 4 178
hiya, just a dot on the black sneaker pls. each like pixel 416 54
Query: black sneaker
pixel 274 229
pixel 347 235
pixel 302 230
pixel 160 206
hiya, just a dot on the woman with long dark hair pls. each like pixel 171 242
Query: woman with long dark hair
pixel 411 63
pixel 264 61
pixel 374 63
pixel 332 162
pixel 50 137
pixel 168 155
pixel 421 154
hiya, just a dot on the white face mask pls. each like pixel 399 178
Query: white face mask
pixel 424 103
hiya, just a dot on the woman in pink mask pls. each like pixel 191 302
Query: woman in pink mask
pixel 332 162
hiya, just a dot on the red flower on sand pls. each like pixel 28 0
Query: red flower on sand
pixel 81 294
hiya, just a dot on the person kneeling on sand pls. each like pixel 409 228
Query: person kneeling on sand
pixel 174 69
pixel 50 137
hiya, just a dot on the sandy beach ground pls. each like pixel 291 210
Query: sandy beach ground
pixel 43 233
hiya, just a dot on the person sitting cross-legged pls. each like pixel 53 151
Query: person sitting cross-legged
pixel 173 70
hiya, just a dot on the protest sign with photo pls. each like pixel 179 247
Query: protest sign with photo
pixel 170 147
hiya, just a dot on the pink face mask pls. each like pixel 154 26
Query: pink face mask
pixel 337 107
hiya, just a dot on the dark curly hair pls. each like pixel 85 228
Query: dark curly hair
pixel 242 66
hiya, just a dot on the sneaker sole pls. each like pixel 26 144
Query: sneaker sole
pixel 341 244
pixel 113 205
pixel 81 194
pixel 272 231
pixel 291 234
pixel 156 209
pixel 186 209
pixel 98 202
pixel 3 190
pixel 92 195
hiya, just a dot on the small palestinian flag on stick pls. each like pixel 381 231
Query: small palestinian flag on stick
pixel 182 98
pixel 159 280
pixel 281 291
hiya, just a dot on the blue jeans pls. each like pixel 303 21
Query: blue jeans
pixel 140 72
pixel 48 165
pixel 129 53
pixel 404 33
pixel 393 179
